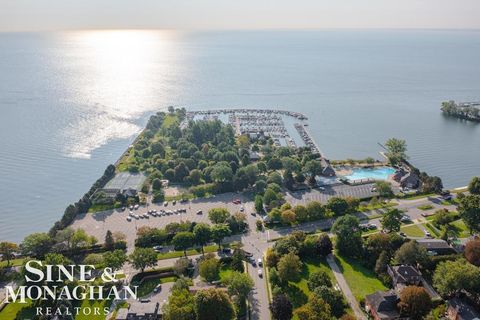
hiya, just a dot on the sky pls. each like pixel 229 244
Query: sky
pixel 40 15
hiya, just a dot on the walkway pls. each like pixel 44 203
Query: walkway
pixel 345 288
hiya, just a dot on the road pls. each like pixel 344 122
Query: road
pixel 342 283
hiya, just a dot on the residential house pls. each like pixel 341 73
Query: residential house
pixel 436 246
pixel 140 311
pixel 458 309
pixel 382 305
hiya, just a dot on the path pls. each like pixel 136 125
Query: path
pixel 345 288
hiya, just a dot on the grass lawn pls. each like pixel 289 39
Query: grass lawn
pixel 425 207
pixel 298 290
pixel 93 304
pixel 369 207
pixel 13 262
pixel 147 286
pixel 412 231
pixel 362 281
pixel 434 232
pixel 24 310
pixel 100 207
pixel 464 232
pixel 191 252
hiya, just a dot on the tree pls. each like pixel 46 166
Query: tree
pixel 202 234
pixel 142 258
pixel 180 306
pixel 333 298
pixel 281 307
pixel 469 210
pixel 411 253
pixel 221 173
pixel 156 184
pixel 313 168
pixel 213 304
pixel 452 277
pixel 195 176
pixel 258 203
pixel 180 267
pixel 382 263
pixel 415 302
pixel 37 245
pixel 209 269
pixel 392 220
pixel 220 232
pixel 238 284
pixel 7 249
pixel 109 241
pixel 384 188
pixel 183 240
pixel 181 171
pixel 218 215
pixel 349 235
pixel 396 150
pixel 271 258
pixel 238 257
pixel 472 252
pixel 288 217
pixel 323 245
pixel 338 205
pixel 289 267
pixel 115 259
pixel 314 309
pixel 315 210
pixel 94 259
pixel 317 279
pixel 474 185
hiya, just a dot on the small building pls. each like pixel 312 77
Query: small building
pixel 140 311
pixel 436 246
pixel 126 183
pixel 254 156
pixel 410 180
pixel 397 176
pixel 327 169
pixel 404 275
pixel 382 305
pixel 458 309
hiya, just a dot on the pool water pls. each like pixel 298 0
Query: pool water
pixel 380 173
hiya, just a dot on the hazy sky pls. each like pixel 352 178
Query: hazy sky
pixel 20 15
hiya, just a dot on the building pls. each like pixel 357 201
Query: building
pixel 382 305
pixel 126 183
pixel 410 180
pixel 404 275
pixel 140 311
pixel 327 169
pixel 458 309
pixel 436 246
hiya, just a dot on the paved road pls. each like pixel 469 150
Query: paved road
pixel 342 283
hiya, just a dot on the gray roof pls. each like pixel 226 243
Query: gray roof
pixel 435 244
pixel 126 180
pixel 384 303
pixel 465 311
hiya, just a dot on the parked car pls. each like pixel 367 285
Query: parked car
pixel 199 212
pixel 242 209
pixel 136 207
pixel 165 203
pixel 260 273
pixel 129 219
pixel 248 254
pixel 253 214
pixel 158 248
pixel 174 202
pixel 237 201
pixel 403 234
pixel 158 288
pixel 260 263
pixel 226 250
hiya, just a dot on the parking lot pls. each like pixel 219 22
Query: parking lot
pixel 97 224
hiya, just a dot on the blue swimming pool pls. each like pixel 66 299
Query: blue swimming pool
pixel 380 173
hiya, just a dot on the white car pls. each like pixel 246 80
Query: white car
pixel 136 207
pixel 260 273
pixel 259 262
pixel 129 219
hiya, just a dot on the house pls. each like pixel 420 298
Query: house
pixel 254 156
pixel 458 309
pixel 410 180
pixel 404 275
pixel 436 246
pixel 140 311
pixel 382 305
pixel 128 184
pixel 327 169
pixel 399 174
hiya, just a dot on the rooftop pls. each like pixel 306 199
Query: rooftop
pixel 126 180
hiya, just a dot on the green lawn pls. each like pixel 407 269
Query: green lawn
pixel 434 232
pixel 147 286
pixel 362 281
pixel 412 231
pixel 369 207
pixel 23 310
pixel 191 252
pixel 100 207
pixel 464 232
pixel 425 207
pixel 298 290
pixel 13 262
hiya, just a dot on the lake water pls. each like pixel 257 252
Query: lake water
pixel 72 102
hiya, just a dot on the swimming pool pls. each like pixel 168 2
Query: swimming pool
pixel 380 173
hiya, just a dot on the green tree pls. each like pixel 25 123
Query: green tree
pixel 183 240
pixel 471 252
pixel 314 309
pixel 36 245
pixel 156 184
pixel 396 150
pixel 333 298
pixel 411 253
pixel 7 250
pixel 349 235
pixel 209 269
pixel 218 215
pixel 384 188
pixel 114 259
pixel 415 302
pixel 221 173
pixel 213 304
pixel 202 234
pixel 452 277
pixel 317 279
pixel 142 258
pixel 289 267
pixel 180 306
pixel 392 220
pixel 323 245
pixel 469 210
pixel 195 176
pixel 288 217
pixel 238 284
pixel 338 206
pixel 258 203
pixel 94 259
pixel 109 241
pixel 474 185
pixel 220 232
pixel 281 307
pixel 313 168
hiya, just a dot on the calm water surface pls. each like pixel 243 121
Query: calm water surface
pixel 72 102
